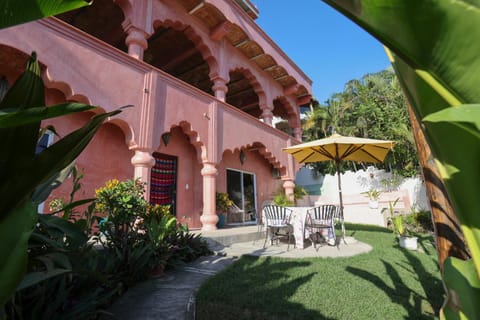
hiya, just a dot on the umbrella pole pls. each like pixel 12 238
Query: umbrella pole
pixel 337 164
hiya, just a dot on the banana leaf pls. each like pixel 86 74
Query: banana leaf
pixel 22 171
pixel 456 145
pixel 460 275
pixel 12 117
pixel 434 47
pixel 42 191
pixel 15 12
pixel 15 231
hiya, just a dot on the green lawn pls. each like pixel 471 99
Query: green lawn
pixel 386 283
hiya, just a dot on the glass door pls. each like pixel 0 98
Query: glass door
pixel 241 189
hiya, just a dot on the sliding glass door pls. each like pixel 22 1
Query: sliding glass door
pixel 241 189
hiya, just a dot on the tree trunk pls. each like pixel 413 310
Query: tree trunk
pixel 448 235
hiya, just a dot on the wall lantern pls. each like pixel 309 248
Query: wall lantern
pixel 166 138
pixel 275 173
pixel 243 157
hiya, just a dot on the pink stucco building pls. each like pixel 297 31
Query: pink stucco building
pixel 205 82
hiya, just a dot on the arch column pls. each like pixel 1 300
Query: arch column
pixel 143 162
pixel 136 41
pixel 267 114
pixel 209 216
pixel 297 133
pixel 220 88
pixel 289 186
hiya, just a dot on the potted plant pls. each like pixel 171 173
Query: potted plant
pixel 281 199
pixel 373 196
pixel 405 239
pixel 222 204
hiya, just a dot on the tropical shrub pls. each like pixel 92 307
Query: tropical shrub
pixel 26 177
pixel 160 227
pixel 67 208
pixel 138 237
pixel 71 277
pixel 125 242
pixel 423 220
pixel 63 279
pixel 22 109
pixel 186 247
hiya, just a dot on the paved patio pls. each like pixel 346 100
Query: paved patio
pixel 237 241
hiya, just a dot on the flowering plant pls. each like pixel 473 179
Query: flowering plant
pixel 223 202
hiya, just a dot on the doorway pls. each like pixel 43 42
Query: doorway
pixel 163 181
pixel 241 189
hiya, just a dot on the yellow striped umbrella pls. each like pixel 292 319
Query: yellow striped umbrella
pixel 339 148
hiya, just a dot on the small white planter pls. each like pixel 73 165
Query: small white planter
pixel 373 204
pixel 410 243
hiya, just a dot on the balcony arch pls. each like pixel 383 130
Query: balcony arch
pixel 176 49
pixel 245 92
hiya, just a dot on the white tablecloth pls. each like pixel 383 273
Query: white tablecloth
pixel 299 215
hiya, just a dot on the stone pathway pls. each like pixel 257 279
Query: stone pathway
pixel 173 295
pixel 170 297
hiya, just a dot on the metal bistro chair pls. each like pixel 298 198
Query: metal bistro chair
pixel 319 219
pixel 277 219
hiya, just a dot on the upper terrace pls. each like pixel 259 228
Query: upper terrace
pixel 199 41
pixel 109 78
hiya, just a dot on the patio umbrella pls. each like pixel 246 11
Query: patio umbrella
pixel 339 148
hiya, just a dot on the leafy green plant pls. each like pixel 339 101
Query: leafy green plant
pixel 222 202
pixel 186 246
pixel 122 235
pixel 391 207
pixel 159 226
pixel 63 278
pixel 14 12
pixel 438 70
pixel 423 219
pixel 372 194
pixel 23 173
pixel 67 208
pixel 402 226
pixel 281 199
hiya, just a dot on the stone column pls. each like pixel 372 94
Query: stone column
pixel 209 216
pixel 220 88
pixel 267 115
pixel 136 41
pixel 297 133
pixel 143 161
pixel 289 186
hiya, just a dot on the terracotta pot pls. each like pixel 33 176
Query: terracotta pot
pixel 157 271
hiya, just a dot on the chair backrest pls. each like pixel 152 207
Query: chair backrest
pixel 338 215
pixel 276 215
pixel 326 212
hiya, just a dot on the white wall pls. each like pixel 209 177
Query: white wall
pixel 410 192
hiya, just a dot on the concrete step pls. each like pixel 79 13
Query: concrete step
pixel 230 235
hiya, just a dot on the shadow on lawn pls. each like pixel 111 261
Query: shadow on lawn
pixel 401 293
pixel 259 282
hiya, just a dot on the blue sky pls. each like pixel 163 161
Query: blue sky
pixel 327 46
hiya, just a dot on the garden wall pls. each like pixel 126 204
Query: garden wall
pixel 410 192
